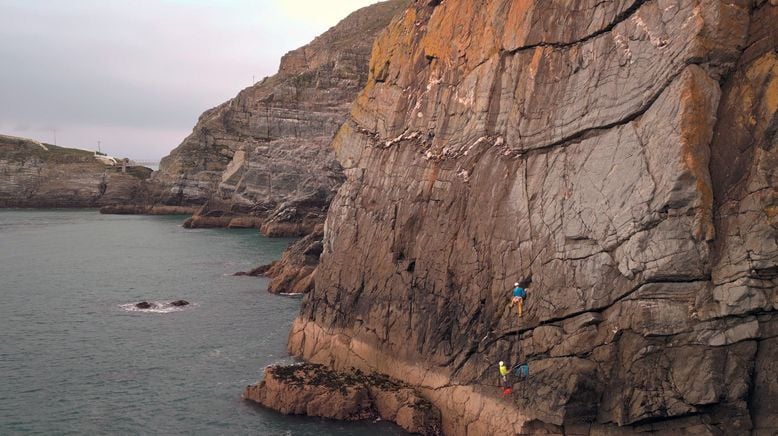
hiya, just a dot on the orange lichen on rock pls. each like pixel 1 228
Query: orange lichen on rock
pixel 596 146
pixel 699 101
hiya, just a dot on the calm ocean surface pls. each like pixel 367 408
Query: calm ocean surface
pixel 74 361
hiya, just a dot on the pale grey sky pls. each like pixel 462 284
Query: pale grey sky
pixel 136 74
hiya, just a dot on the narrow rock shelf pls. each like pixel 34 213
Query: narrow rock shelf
pixel 314 390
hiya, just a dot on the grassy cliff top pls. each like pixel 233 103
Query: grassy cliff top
pixel 23 149
pixel 18 149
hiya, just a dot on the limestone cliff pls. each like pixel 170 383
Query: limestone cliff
pixel 33 174
pixel 263 156
pixel 622 155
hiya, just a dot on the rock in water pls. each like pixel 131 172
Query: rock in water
pixel 179 303
pixel 145 305
pixel 314 390
pixel 622 154
pixel 263 158
pixel 256 272
pixel 296 271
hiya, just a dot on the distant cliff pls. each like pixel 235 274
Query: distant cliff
pixel 262 159
pixel 33 174
pixel 622 155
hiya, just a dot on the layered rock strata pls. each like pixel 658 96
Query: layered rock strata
pixel 262 159
pixel 621 155
pixel 314 390
pixel 37 175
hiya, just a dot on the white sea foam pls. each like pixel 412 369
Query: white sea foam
pixel 159 307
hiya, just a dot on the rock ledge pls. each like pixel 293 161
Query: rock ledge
pixel 314 390
pixel 296 271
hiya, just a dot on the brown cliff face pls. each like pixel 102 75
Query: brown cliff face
pixel 622 155
pixel 263 156
pixel 295 272
pixel 36 175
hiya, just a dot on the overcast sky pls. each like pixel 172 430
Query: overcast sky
pixel 136 74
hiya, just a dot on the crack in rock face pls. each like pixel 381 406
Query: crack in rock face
pixel 623 155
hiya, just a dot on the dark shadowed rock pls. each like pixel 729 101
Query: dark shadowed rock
pixel 295 272
pixel 145 305
pixel 179 303
pixel 256 272
pixel 120 209
pixel 133 209
pixel 206 222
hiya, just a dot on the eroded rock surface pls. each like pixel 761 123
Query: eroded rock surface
pixel 263 159
pixel 623 155
pixel 295 272
pixel 37 175
pixel 314 390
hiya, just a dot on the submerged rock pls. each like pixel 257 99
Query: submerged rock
pixel 314 390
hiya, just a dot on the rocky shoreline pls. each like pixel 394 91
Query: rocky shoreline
pixel 295 272
pixel 314 390
pixel 38 175
pixel 118 209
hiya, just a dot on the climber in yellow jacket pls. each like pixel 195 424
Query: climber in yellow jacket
pixel 506 386
pixel 504 371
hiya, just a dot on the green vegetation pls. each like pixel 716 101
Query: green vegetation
pixel 67 155
pixel 23 150
pixel 136 171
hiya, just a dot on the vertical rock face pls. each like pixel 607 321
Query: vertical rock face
pixel 33 174
pixel 621 155
pixel 265 153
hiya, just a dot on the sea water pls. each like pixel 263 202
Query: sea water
pixel 76 358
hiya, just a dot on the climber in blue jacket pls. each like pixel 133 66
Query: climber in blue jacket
pixel 522 370
pixel 519 294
